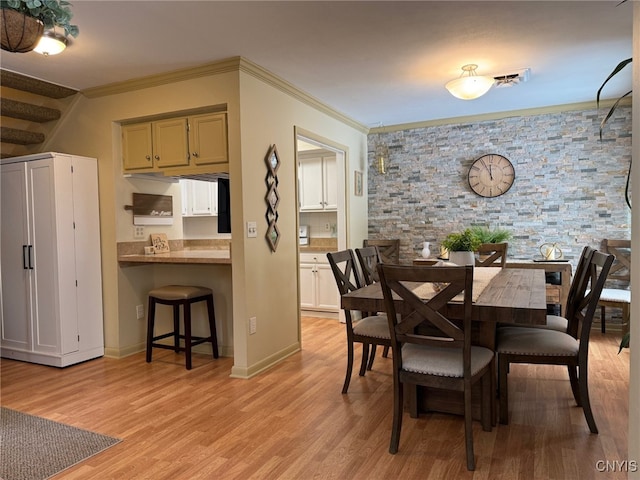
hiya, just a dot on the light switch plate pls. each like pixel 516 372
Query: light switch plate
pixel 252 229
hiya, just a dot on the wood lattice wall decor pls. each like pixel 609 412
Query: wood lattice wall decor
pixel 272 198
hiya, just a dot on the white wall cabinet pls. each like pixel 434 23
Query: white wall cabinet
pixel 318 183
pixel 318 290
pixel 199 198
pixel 51 267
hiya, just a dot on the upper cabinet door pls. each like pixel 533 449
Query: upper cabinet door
pixel 137 145
pixel 311 184
pixel 330 178
pixel 208 139
pixel 170 143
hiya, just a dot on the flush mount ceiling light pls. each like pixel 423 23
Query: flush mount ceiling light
pixel 470 85
pixel 51 43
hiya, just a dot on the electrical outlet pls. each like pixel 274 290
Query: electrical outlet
pixel 252 229
pixel 253 325
pixel 327 226
pixel 139 311
pixel 138 232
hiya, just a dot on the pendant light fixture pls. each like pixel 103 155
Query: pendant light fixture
pixel 470 85
pixel 51 43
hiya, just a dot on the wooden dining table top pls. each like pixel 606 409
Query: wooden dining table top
pixel 511 295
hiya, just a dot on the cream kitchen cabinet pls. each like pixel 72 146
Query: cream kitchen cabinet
pixel 318 289
pixel 153 146
pixel 187 144
pixel 318 183
pixel 208 139
pixel 199 198
pixel 51 266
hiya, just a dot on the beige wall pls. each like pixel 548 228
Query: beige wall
pixel 262 110
pixel 634 370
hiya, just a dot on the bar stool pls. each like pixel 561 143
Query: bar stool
pixel 176 295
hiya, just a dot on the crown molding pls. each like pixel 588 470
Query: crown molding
pixel 606 104
pixel 233 64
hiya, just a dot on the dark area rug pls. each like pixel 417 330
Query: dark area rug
pixel 34 448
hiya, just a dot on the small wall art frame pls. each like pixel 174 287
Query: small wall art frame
pixel 272 198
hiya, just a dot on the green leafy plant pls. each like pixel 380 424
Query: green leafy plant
pixel 466 241
pixel 487 235
pixel 613 108
pixel 624 343
pixel 52 13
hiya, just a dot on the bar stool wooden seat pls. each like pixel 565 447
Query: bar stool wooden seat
pixel 177 295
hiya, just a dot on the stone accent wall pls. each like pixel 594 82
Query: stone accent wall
pixel 569 186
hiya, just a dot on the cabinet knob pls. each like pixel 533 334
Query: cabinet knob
pixel 148 157
pixel 195 154
pixel 157 157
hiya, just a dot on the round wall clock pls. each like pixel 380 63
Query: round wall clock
pixel 491 175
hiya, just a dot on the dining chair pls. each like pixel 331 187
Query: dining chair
pixel 620 274
pixel 369 258
pixel 367 329
pixel 558 322
pixel 442 357
pixel 552 347
pixel 389 249
pixel 492 255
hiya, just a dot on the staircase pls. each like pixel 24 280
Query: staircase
pixel 29 109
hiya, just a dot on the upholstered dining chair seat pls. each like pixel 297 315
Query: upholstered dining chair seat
pixel 615 295
pixel 554 322
pixel 536 341
pixel 375 326
pixel 442 362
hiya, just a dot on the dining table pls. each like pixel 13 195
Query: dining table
pixel 500 295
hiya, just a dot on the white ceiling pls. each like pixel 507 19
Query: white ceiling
pixel 379 62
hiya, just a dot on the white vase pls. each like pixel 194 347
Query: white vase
pixel 426 253
pixel 462 258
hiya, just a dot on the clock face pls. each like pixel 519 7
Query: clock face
pixel 491 175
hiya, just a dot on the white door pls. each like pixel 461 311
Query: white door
pixel 307 285
pixel 328 296
pixel 201 198
pixel 311 184
pixel 15 258
pixel 330 178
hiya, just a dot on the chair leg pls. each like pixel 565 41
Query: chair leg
pixel 347 377
pixel 468 428
pixel 503 367
pixel 385 352
pixel 187 333
pixel 584 396
pixel 487 387
pixel 372 356
pixel 602 319
pixel 212 326
pixel 397 414
pixel 176 328
pixel 151 315
pixel 365 358
pixel 573 380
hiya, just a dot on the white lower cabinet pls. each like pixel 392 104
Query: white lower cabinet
pixel 318 289
pixel 51 267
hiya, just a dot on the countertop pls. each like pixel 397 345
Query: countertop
pixel 182 252
pixel 181 256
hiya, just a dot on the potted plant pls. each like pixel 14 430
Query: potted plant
pixel 487 235
pixel 22 22
pixel 461 246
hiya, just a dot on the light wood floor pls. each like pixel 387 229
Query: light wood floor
pixel 292 422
